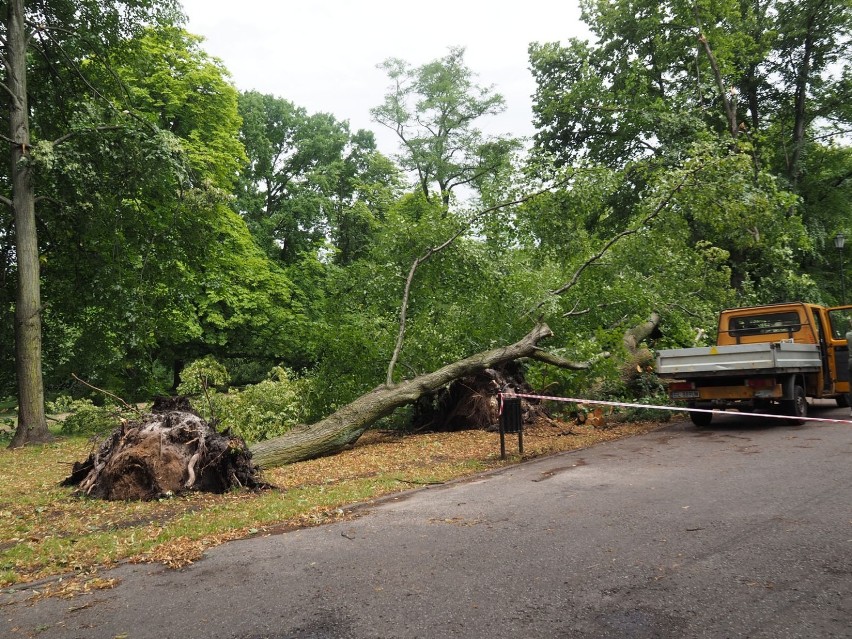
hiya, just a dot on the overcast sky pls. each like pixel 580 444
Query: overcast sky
pixel 322 54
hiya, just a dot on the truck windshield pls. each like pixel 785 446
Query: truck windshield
pixel 765 323
pixel 841 322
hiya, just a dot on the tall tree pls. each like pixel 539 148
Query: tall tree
pixel 663 73
pixel 812 59
pixel 32 425
pixel 308 178
pixel 163 271
pixel 433 109
pixel 171 82
pixel 53 33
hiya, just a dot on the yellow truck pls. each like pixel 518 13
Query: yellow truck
pixel 765 358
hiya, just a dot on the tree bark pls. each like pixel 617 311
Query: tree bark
pixel 803 79
pixel 345 426
pixel 637 334
pixel 32 425
pixel 730 109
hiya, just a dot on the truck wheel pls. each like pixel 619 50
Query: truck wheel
pixel 843 400
pixel 701 419
pixel 798 406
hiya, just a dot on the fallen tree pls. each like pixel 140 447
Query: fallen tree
pixel 634 336
pixel 345 426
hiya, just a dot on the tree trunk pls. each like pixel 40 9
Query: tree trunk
pixel 32 425
pixel 637 334
pixel 724 95
pixel 345 426
pixel 800 104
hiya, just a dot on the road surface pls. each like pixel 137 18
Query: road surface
pixel 743 529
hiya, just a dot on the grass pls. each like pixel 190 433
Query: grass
pixel 47 531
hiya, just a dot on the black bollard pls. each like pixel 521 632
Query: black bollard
pixel 511 422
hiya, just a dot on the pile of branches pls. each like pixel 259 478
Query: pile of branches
pixel 168 451
pixel 473 402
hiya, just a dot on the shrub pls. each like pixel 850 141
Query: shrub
pixel 202 375
pixel 637 383
pixel 258 411
pixel 263 410
pixel 85 418
pixel 7 428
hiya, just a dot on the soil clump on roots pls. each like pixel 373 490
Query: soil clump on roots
pixel 473 402
pixel 168 451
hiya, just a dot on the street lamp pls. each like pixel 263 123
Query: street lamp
pixel 839 243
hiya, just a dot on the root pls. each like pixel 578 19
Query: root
pixel 165 453
pixel 471 402
pixel 191 470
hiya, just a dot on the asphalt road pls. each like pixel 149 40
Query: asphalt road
pixel 740 530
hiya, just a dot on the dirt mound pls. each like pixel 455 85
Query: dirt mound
pixel 165 453
pixel 473 402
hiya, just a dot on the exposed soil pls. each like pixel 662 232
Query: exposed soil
pixel 472 402
pixel 168 451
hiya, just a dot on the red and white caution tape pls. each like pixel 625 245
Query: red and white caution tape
pixel 678 409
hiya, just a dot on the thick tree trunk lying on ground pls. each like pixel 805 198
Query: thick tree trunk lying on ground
pixel 346 425
pixel 163 453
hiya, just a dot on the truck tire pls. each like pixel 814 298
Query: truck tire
pixel 798 406
pixel 843 400
pixel 701 419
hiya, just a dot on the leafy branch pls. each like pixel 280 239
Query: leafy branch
pixel 433 250
pixel 129 407
pixel 661 206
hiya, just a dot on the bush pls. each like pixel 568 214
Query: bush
pixel 637 383
pixel 85 418
pixel 202 375
pixel 257 412
pixel 263 410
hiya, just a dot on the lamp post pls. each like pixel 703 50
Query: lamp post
pixel 839 243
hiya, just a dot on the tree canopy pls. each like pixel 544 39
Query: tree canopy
pixel 769 79
pixel 309 180
pixel 433 109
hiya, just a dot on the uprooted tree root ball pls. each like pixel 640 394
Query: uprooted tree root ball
pixel 472 402
pixel 166 452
